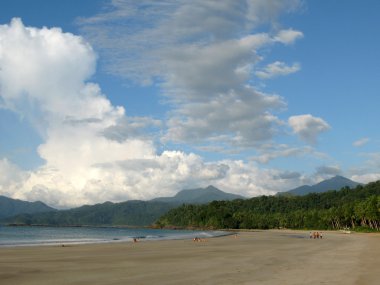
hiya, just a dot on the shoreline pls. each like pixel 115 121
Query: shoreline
pixel 259 257
pixel 129 239
pixel 36 236
pixel 175 228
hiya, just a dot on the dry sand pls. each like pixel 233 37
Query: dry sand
pixel 258 257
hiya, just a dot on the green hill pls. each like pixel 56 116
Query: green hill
pixel 11 207
pixel 358 207
pixel 131 213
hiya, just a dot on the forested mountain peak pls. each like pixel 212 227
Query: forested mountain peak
pixel 199 196
pixel 11 207
pixel 335 183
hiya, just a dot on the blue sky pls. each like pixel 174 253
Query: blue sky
pixel 139 99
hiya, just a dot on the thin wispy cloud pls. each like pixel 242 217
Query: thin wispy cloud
pixel 202 55
pixel 361 142
pixel 328 170
pixel 369 169
pixel 277 69
pixel 281 151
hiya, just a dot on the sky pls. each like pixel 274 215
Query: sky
pixel 115 100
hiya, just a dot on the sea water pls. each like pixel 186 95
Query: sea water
pixel 11 236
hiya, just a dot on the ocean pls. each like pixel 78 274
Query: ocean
pixel 12 236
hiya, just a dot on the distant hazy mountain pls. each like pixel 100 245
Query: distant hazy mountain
pixel 199 196
pixel 335 183
pixel 131 213
pixel 11 207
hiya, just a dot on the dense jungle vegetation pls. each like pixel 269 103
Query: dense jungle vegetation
pixel 357 208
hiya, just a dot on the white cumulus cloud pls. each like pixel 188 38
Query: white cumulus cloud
pixel 288 37
pixel 366 178
pixel 308 127
pixel 43 78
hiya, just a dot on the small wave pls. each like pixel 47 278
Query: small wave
pixel 35 236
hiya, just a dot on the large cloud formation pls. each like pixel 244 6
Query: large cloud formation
pixel 44 78
pixel 202 55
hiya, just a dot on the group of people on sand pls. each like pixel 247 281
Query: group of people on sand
pixel 315 235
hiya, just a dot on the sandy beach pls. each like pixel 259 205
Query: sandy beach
pixel 257 257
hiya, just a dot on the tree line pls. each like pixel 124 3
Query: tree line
pixel 357 208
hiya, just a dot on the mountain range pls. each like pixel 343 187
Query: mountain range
pixel 135 213
pixel 132 213
pixel 11 207
pixel 334 183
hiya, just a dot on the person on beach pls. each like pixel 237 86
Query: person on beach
pixel 310 235
pixel 199 239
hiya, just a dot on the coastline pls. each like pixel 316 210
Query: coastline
pixel 255 257
pixel 24 236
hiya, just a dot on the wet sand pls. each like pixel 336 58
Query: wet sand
pixel 258 257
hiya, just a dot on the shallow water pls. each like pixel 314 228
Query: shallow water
pixel 26 236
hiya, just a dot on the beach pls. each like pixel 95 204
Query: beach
pixel 254 257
